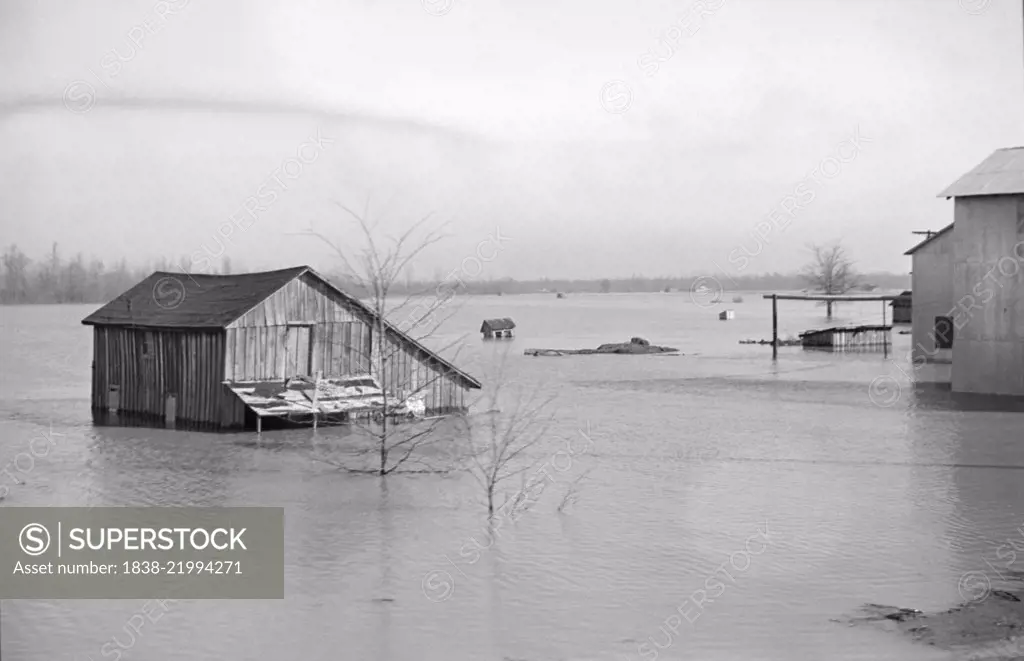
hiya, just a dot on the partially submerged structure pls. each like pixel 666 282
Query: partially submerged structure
pixel 987 310
pixel 635 346
pixel 219 350
pixel 901 308
pixel 831 335
pixel 931 277
pixel 497 328
pixel 847 337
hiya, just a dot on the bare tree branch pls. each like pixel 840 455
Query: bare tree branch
pixel 375 269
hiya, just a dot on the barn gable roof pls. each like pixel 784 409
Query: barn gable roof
pixel 182 301
pixel 190 301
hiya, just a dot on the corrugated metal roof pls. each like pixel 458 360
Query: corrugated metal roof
pixel 1002 173
pixel 180 301
pixel 931 238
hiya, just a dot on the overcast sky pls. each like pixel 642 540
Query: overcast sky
pixel 499 116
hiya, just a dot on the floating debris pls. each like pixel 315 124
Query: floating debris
pixel 635 346
pixel 782 343
pixel 986 628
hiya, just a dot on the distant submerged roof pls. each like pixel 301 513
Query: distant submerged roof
pixel 1002 173
pixel 931 238
pixel 504 323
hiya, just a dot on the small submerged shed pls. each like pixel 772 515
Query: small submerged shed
pixel 901 308
pixel 497 328
pixel 848 337
pixel 191 347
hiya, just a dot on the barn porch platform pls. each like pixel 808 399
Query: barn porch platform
pixel 303 400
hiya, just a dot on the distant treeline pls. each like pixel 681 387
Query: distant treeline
pixel 638 284
pixel 59 279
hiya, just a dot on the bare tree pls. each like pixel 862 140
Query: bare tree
pixel 497 442
pixel 375 269
pixel 830 271
pixel 16 284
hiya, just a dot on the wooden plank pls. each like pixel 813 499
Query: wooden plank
pixel 257 352
pixel 238 351
pixel 293 298
pixel 184 392
pixel 304 351
pixel 193 377
pixel 281 348
pixel 263 370
pixel 209 375
pixel 131 358
pixel 255 355
pixel 241 374
pixel 338 349
pixel 214 377
pixel 200 381
pixel 207 372
pixel 161 389
pixel 316 348
pixel 270 372
pixel 193 358
pixel 328 349
pixel 272 352
pixel 229 362
pixel 345 349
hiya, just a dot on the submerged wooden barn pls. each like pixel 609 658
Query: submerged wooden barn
pixel 190 347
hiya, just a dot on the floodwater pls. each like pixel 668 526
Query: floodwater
pixel 790 492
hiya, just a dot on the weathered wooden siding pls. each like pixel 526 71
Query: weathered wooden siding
pixel 304 328
pixel 412 373
pixel 301 300
pixel 148 365
pixel 275 353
